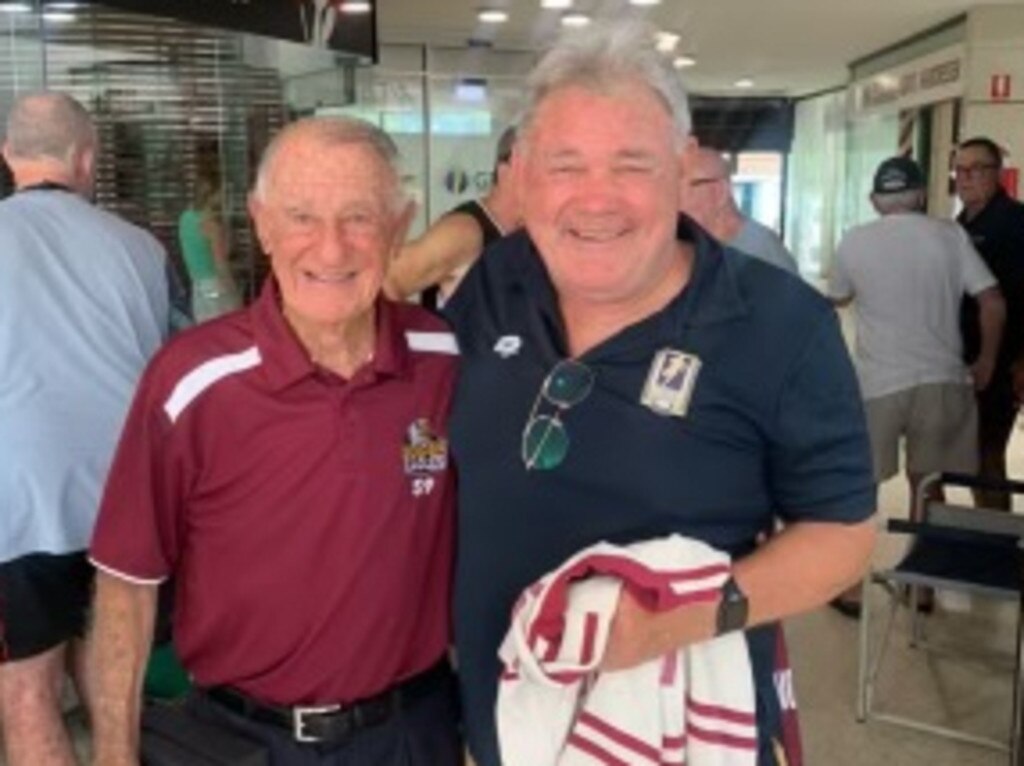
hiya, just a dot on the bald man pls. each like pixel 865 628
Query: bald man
pixel 288 466
pixel 83 305
pixel 707 198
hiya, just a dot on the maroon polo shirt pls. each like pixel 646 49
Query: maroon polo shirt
pixel 307 520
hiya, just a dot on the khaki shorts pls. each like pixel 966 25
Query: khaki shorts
pixel 939 422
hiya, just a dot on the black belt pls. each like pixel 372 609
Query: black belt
pixel 333 723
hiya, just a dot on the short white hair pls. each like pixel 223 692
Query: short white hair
pixel 601 56
pixel 48 125
pixel 335 131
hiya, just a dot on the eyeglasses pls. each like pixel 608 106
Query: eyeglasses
pixel 705 181
pixel 545 440
pixel 971 171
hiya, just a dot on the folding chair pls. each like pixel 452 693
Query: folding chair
pixel 975 551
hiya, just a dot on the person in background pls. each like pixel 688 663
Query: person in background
pixel 206 252
pixel 288 466
pixel 83 306
pixel 436 262
pixel 995 223
pixel 905 275
pixel 708 199
pixel 625 378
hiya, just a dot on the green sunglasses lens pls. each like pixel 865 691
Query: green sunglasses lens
pixel 568 384
pixel 545 443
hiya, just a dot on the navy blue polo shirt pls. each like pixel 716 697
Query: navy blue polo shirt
pixel 775 429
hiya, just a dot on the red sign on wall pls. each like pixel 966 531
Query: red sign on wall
pixel 1011 181
pixel 1000 87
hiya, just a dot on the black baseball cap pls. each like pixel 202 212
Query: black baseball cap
pixel 898 174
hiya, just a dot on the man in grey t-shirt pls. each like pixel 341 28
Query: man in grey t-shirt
pixel 905 275
pixel 707 198
pixel 83 305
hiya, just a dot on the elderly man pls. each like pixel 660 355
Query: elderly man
pixel 707 198
pixel 438 260
pixel 288 466
pixel 905 275
pixel 83 305
pixel 995 223
pixel 624 379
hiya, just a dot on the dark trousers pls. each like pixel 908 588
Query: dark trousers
pixel 425 732
pixel 997 412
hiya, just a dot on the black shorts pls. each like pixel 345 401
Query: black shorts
pixel 44 599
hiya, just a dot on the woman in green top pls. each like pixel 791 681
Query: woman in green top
pixel 204 247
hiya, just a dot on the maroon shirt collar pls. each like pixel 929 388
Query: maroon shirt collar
pixel 285 361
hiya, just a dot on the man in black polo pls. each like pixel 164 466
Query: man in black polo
pixel 995 223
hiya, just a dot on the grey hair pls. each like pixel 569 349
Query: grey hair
pixel 909 201
pixel 50 125
pixel 601 56
pixel 335 131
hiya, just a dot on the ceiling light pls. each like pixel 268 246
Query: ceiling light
pixel 575 20
pixel 62 6
pixel 556 4
pixel 15 7
pixel 355 6
pixel 58 17
pixel 492 16
pixel 644 2
pixel 682 62
pixel 745 82
pixel 666 42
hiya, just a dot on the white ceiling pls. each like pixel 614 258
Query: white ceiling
pixel 792 47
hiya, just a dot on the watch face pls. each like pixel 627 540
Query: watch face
pixel 732 609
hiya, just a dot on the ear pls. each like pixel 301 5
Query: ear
pixel 257 212
pixel 402 223
pixel 6 151
pixel 686 160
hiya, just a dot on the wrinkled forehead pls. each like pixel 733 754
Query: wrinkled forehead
pixel 308 167
pixel 975 155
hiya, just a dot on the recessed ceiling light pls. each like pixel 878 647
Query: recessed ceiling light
pixel 492 16
pixel 644 2
pixel 62 6
pixel 355 6
pixel 556 4
pixel 682 62
pixel 575 20
pixel 745 82
pixel 15 7
pixel 666 42
pixel 58 17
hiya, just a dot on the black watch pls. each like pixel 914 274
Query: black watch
pixel 732 609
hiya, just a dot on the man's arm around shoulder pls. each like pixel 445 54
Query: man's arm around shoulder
pixel 122 633
pixel 453 241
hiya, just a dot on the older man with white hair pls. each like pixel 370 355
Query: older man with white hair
pixel 625 379
pixel 288 466
pixel 83 305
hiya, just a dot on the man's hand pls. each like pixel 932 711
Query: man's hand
pixel 638 635
pixel 981 373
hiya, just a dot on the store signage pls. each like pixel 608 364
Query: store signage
pixel 933 78
pixel 1000 87
pixel 316 22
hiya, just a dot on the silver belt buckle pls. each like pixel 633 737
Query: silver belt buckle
pixel 299 714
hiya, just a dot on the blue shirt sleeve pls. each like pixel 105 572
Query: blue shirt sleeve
pixel 819 461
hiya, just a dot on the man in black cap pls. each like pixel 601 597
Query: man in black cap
pixel 995 223
pixel 905 275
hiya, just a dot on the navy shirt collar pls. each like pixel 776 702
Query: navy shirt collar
pixel 710 296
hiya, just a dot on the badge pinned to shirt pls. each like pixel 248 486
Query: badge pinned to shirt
pixel 670 383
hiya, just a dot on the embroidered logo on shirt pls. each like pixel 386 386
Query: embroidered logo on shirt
pixel 424 452
pixel 508 346
pixel 670 382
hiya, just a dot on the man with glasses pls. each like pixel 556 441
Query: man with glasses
pixel 626 377
pixel 436 262
pixel 995 223
pixel 288 466
pixel 708 199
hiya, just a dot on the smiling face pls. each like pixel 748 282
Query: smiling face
pixel 328 221
pixel 601 178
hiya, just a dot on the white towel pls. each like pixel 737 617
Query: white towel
pixel 694 706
